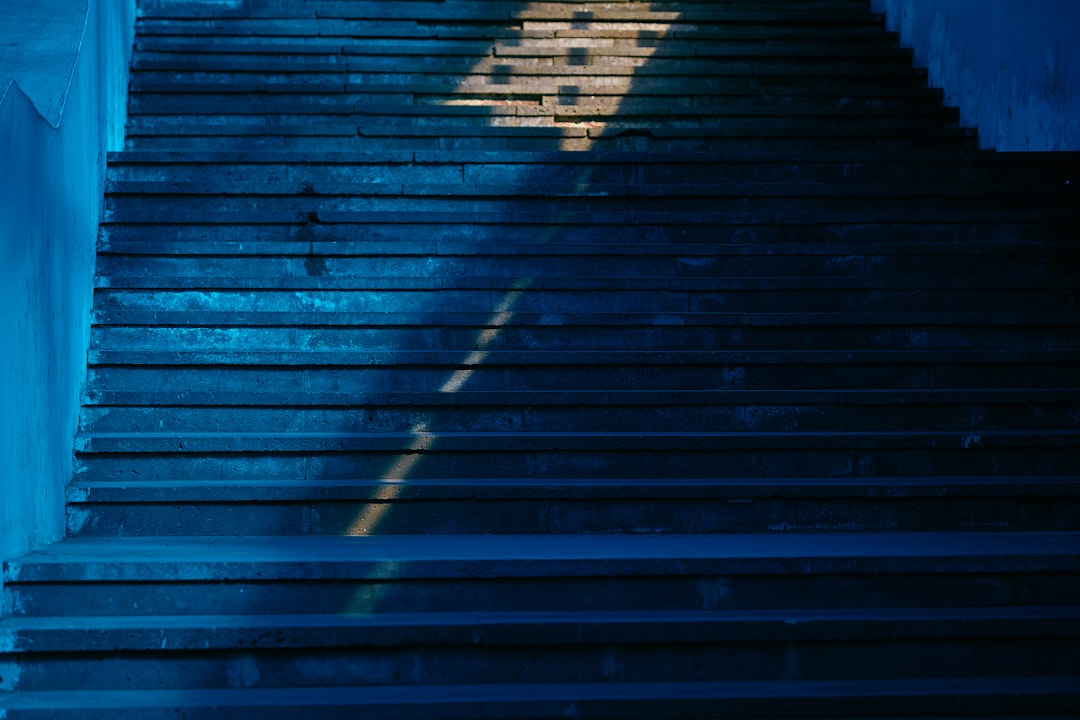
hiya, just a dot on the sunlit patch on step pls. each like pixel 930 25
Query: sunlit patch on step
pixel 517 65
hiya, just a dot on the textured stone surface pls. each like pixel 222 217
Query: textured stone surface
pixel 591 359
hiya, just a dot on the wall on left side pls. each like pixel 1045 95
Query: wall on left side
pixel 63 96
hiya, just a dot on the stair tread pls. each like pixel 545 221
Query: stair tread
pixel 369 357
pixel 147 558
pixel 519 488
pixel 998 691
pixel 595 157
pixel 891 191
pixel 299 631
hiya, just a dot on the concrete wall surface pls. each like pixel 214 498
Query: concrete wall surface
pixel 1011 66
pixel 63 80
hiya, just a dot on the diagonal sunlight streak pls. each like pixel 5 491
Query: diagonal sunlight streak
pixel 394 479
pixel 372 513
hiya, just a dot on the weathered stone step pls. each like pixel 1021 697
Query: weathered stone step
pixel 747 265
pixel 337 630
pixel 192 38
pixel 838 12
pixel 736 332
pixel 404 573
pixel 445 90
pixel 586 303
pixel 980 698
pixel 599 167
pixel 578 505
pixel 322 34
pixel 453 649
pixel 644 441
pixel 567 138
pixel 375 38
pixel 292 108
pixel 523 85
pixel 461 55
pixel 650 78
pixel 336 456
pixel 1010 164
pixel 521 117
pixel 365 234
pixel 562 202
pixel 583 191
pixel 178 114
pixel 129 248
pixel 341 177
pixel 301 308
pixel 761 411
pixel 734 490
pixel 306 195
pixel 271 377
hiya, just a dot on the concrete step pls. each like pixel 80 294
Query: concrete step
pixel 198 104
pixel 929 233
pixel 131 376
pixel 727 411
pixel 165 121
pixel 444 90
pixel 323 440
pixel 781 332
pixel 519 505
pixel 540 200
pixel 327 35
pixel 538 82
pixel 974 698
pixel 392 574
pixel 454 649
pixel 250 56
pixel 161 113
pixel 565 138
pixel 838 12
pixel 586 189
pixel 362 303
pixel 597 454
pixel 532 80
pixel 569 266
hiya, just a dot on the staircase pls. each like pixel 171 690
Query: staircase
pixel 622 359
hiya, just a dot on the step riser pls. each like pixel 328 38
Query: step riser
pixel 914 335
pixel 987 702
pixel 147 106
pixel 348 142
pixel 519 233
pixel 572 662
pixel 548 268
pixel 261 383
pixel 549 462
pixel 402 124
pixel 121 208
pixel 893 415
pixel 502 174
pixel 700 515
pixel 728 591
pixel 123 309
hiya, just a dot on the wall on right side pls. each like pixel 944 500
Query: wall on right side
pixel 1011 66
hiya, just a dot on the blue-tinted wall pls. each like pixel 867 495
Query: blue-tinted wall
pixel 1011 66
pixel 63 80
